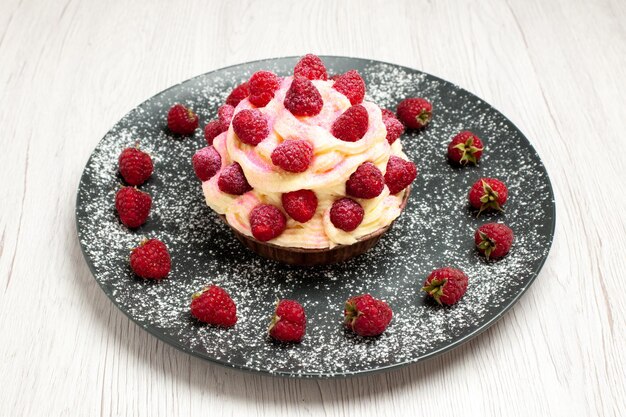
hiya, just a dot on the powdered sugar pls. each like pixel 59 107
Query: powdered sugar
pixel 435 230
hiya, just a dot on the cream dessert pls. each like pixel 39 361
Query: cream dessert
pixel 344 154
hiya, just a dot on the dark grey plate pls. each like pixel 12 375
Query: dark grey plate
pixel 435 230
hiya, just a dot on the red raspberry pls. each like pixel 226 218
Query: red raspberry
pixel 488 194
pixel 214 306
pixel 206 162
pixel 133 206
pixel 351 125
pixel 394 127
pixel 250 126
pixel 415 113
pixel 135 166
pixel 262 86
pixel 346 214
pixel 239 93
pixel 300 205
pixel 293 155
pixel 446 285
pixel 212 130
pixel 366 182
pixel 151 259
pixel 399 174
pixel 267 222
pixel 464 148
pixel 366 315
pixel 225 115
pixel 302 98
pixel 181 120
pixel 311 66
pixel 233 181
pixel 493 240
pixel 351 85
pixel 288 322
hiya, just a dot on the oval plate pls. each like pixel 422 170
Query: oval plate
pixel 436 229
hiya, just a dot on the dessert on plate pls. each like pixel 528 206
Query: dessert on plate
pixel 302 169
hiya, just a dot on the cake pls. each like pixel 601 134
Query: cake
pixel 296 140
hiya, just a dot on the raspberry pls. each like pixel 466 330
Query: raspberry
pixel 493 240
pixel 293 155
pixel 206 162
pixel 233 181
pixel 302 98
pixel 399 174
pixel 351 85
pixel 133 206
pixel 394 127
pixel 488 194
pixel 181 120
pixel 288 322
pixel 351 125
pixel 225 115
pixel 366 315
pixel 250 126
pixel 464 148
pixel 151 259
pixel 262 86
pixel 300 205
pixel 239 93
pixel 267 222
pixel 446 285
pixel 415 113
pixel 346 214
pixel 213 129
pixel 311 66
pixel 366 182
pixel 214 306
pixel 135 166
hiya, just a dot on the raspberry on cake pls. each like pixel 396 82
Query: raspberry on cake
pixel 309 173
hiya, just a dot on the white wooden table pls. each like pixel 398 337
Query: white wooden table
pixel 69 69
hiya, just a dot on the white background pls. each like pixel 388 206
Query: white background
pixel 70 69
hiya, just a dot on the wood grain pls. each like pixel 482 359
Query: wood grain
pixel 70 69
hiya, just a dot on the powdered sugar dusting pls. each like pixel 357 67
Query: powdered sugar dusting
pixel 435 230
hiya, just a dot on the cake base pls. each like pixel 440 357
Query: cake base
pixel 310 257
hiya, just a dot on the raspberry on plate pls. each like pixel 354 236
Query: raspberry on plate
pixel 394 127
pixel 488 194
pixel 465 148
pixel 288 322
pixel 267 222
pixel 346 214
pixel 239 93
pixel 302 98
pixel 300 205
pixel 366 182
pixel 399 174
pixel 293 155
pixel 351 85
pixel 151 259
pixel 135 166
pixel 262 86
pixel 493 240
pixel 133 206
pixel 366 315
pixel 351 125
pixel 206 162
pixel 415 113
pixel 446 285
pixel 181 120
pixel 250 126
pixel 214 306
pixel 213 129
pixel 233 181
pixel 311 66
